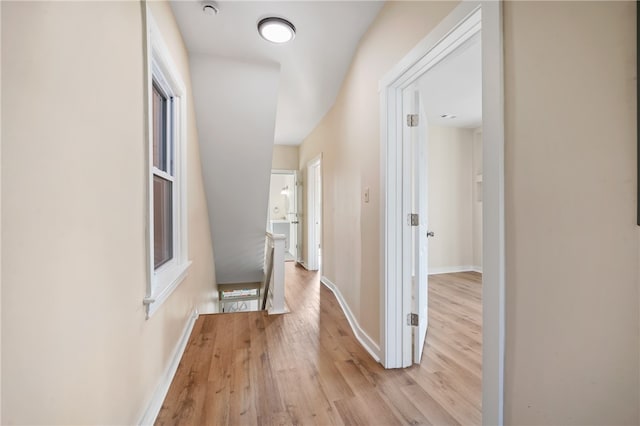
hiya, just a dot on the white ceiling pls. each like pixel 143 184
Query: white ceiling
pixel 454 86
pixel 312 66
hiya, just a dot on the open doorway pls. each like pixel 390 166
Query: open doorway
pixel 402 239
pixel 449 181
pixel 284 216
pixel 443 107
pixel 314 214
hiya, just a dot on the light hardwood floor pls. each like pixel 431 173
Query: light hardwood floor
pixel 307 368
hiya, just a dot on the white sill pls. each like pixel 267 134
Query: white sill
pixel 154 301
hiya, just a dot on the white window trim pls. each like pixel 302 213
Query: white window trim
pixel 159 66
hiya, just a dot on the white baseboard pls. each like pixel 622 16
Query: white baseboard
pixel 454 269
pixel 477 269
pixel 155 404
pixel 364 339
pixel 304 265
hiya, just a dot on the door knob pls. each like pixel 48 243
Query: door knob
pixel 430 234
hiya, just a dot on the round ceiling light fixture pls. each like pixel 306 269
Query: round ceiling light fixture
pixel 276 30
pixel 210 8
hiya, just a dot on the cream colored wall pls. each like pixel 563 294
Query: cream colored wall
pixel 0 217
pixel 476 179
pixel 285 157
pixel 348 138
pixel 76 346
pixel 450 194
pixel 571 237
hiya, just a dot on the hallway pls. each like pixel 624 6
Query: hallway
pixel 306 367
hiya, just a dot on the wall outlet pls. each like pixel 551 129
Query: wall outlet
pixel 366 195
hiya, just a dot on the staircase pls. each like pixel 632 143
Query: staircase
pixel 268 294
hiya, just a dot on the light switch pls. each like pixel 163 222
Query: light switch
pixel 366 195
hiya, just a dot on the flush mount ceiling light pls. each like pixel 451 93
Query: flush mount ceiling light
pixel 276 30
pixel 210 8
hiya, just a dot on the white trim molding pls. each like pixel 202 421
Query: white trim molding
pixel 160 393
pixel 162 281
pixel 493 216
pixel 304 265
pixel 453 269
pixel 465 20
pixel 367 342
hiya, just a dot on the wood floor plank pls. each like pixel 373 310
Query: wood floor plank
pixel 430 408
pixel 402 406
pixel 443 390
pixel 353 376
pixel 305 400
pixel 190 380
pixel 307 368
pixel 351 412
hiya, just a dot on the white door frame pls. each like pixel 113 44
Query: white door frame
pixel 465 19
pixel 294 199
pixel 313 239
pixel 415 237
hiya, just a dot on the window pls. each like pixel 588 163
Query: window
pixel 163 178
pixel 168 260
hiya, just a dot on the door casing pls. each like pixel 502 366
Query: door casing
pixel 464 21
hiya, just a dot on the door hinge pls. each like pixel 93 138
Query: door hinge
pixel 413 219
pixel 412 120
pixel 412 320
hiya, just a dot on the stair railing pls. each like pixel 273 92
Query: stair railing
pixel 274 274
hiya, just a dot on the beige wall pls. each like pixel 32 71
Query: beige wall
pixel 76 346
pixel 450 193
pixel 572 240
pixel 476 179
pixel 0 217
pixel 572 341
pixel 348 138
pixel 285 157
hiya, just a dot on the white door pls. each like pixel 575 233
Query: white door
pixel 296 220
pixel 314 213
pixel 318 216
pixel 416 161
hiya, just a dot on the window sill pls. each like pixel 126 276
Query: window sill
pixel 154 301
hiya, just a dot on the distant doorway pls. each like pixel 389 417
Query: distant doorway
pixel 314 214
pixel 284 213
